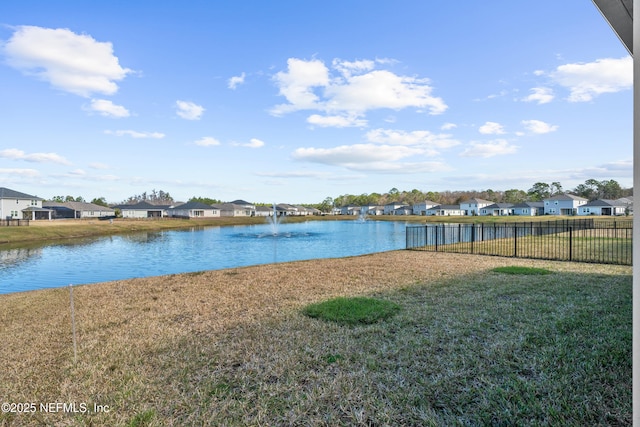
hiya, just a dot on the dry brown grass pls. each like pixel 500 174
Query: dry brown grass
pixel 152 348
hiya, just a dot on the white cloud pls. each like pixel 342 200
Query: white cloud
pixel 70 62
pixel 370 158
pixel 207 141
pixel 489 149
pixel 541 95
pixel 26 173
pixel 539 127
pixel 336 121
pixel 235 81
pixel 423 139
pixel 108 108
pixel 253 143
pixel 588 80
pixel 189 110
pixel 355 88
pixel 491 128
pixel 448 126
pixel 347 68
pixel 16 154
pixel 135 134
pixel 297 83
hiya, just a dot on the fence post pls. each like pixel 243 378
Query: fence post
pixel 515 240
pixel 473 235
pixel 570 243
pixel 436 233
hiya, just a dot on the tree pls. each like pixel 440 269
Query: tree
pixel 539 191
pixel 515 196
pixel 100 201
pixel 555 188
pixel 205 200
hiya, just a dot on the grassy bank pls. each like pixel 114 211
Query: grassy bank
pixel 468 345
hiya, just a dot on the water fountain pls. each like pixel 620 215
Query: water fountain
pixel 274 221
pixel 363 216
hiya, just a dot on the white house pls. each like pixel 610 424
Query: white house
pixel 193 210
pixel 445 210
pixel 528 208
pixel 497 209
pixel 473 206
pixel 390 208
pixel 78 210
pixel 563 204
pixel 603 207
pixel 421 208
pixel 374 210
pixel 350 210
pixel 17 205
pixel 231 209
pixel 143 210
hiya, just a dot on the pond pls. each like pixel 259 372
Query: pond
pixel 196 249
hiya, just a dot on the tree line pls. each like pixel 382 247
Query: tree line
pixel 592 189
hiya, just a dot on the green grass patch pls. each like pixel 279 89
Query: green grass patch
pixel 516 269
pixel 352 311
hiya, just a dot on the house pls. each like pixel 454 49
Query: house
pixel 528 208
pixel 497 209
pixel 350 209
pixel 390 208
pixel 143 210
pixel 421 208
pixel 231 209
pixel 473 206
pixel 603 207
pixel 248 206
pixel 628 202
pixel 265 211
pixel 193 210
pixel 374 210
pixel 17 205
pixel 445 210
pixel 563 204
pixel 78 210
pixel 403 210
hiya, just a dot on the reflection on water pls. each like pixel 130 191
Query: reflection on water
pixel 196 249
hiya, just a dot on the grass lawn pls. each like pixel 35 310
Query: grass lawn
pixel 468 346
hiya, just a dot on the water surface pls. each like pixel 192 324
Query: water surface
pixel 180 251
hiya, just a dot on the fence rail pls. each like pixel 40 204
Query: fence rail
pixel 608 242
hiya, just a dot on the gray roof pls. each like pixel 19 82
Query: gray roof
pixel 194 205
pixel 499 205
pixel 6 193
pixel 528 205
pixel 565 196
pixel 143 206
pixel 476 200
pixel 605 203
pixel 77 206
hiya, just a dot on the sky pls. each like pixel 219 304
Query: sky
pixel 295 101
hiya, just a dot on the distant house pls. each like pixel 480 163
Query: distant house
pixel 143 210
pixel 563 204
pixel 628 202
pixel 78 210
pixel 421 208
pixel 473 206
pixel 17 205
pixel 497 209
pixel 390 208
pixel 231 209
pixel 445 210
pixel 264 211
pixel 350 209
pixel 373 210
pixel 603 207
pixel 528 208
pixel 247 205
pixel 403 210
pixel 193 210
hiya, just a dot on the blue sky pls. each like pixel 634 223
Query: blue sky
pixel 293 101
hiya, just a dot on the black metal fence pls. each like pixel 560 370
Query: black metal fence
pixel 583 240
